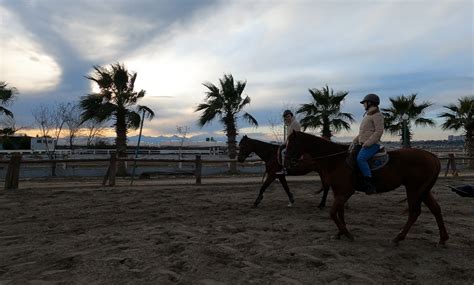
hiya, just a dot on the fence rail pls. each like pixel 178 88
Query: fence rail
pixel 13 170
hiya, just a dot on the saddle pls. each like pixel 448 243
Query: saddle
pixel 379 160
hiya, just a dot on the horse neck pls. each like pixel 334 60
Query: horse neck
pixel 263 150
pixel 318 146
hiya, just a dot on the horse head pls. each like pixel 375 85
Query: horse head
pixel 245 148
pixel 294 150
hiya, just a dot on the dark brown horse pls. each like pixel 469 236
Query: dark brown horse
pixel 268 153
pixel 416 169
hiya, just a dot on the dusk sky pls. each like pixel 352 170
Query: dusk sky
pixel 281 48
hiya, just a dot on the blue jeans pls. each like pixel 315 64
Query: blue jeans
pixel 364 155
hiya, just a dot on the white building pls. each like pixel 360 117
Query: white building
pixel 43 144
pixel 452 138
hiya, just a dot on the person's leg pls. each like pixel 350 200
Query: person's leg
pixel 283 169
pixel 364 155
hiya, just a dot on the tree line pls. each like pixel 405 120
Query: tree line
pixel 116 102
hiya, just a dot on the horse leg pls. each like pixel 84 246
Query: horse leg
pixel 414 210
pixel 337 215
pixel 325 189
pixel 265 185
pixel 283 182
pixel 435 209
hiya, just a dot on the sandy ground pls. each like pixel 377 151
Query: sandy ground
pixel 162 233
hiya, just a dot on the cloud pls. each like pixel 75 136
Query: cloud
pixel 281 48
pixel 24 64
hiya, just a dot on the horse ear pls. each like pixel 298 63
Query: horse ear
pixel 245 136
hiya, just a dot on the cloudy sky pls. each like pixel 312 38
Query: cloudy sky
pixel 281 48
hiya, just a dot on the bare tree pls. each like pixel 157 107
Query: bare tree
pixel 72 119
pixel 50 120
pixel 276 127
pixel 93 129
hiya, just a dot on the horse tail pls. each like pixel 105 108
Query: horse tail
pixel 432 181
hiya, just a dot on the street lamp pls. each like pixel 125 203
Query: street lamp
pixel 405 131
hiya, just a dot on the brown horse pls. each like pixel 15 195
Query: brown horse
pixel 416 169
pixel 268 153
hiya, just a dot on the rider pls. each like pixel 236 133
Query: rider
pixel 370 132
pixel 292 125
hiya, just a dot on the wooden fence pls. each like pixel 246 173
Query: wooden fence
pixel 13 171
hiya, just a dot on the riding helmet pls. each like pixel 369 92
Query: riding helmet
pixel 287 112
pixel 373 98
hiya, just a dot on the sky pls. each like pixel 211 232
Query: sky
pixel 280 48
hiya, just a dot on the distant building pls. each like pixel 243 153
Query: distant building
pixel 452 138
pixel 39 143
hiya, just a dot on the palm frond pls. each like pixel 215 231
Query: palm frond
pixel 133 120
pixel 250 119
pixel 149 114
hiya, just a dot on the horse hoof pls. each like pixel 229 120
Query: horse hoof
pixel 349 236
pixel 442 244
pixel 255 206
pixel 394 242
pixel 289 205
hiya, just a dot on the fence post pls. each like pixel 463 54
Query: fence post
pixel 198 172
pixel 451 164
pixel 13 172
pixel 111 171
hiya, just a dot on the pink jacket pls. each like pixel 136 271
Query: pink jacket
pixel 371 128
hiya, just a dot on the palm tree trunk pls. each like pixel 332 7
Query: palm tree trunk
pixel 326 131
pixel 121 144
pixel 232 149
pixel 470 147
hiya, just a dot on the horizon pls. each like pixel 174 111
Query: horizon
pixel 281 48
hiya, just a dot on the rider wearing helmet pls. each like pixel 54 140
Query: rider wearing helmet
pixel 370 132
pixel 292 125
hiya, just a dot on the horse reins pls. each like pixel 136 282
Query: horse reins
pixel 330 155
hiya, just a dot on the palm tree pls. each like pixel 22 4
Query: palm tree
pixel 461 116
pixel 325 112
pixel 404 111
pixel 226 103
pixel 116 101
pixel 6 96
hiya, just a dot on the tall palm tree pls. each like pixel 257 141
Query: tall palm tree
pixel 7 94
pixel 226 103
pixel 324 112
pixel 403 112
pixel 116 101
pixel 461 116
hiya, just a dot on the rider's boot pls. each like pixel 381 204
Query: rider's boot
pixel 369 186
pixel 282 171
